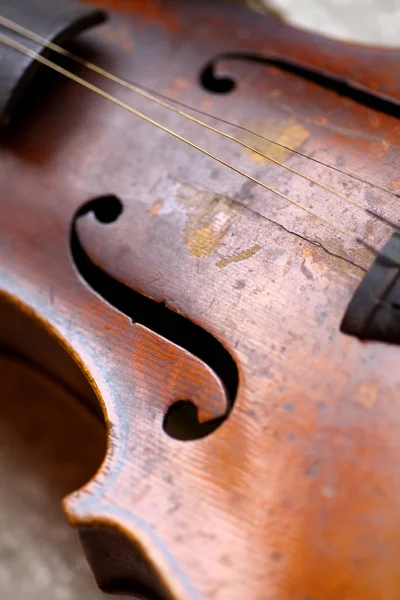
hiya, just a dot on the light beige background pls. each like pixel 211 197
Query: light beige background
pixel 367 21
pixel 48 447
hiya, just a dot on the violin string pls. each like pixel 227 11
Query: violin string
pixel 55 67
pixel 23 31
pixel 270 140
pixel 146 94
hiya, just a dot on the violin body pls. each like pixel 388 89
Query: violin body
pixel 172 280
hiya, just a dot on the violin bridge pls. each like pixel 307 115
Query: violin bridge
pixel 374 311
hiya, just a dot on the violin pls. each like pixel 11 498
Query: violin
pixel 199 233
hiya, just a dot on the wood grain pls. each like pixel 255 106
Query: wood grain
pixel 296 495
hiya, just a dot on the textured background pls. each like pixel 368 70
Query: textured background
pixel 368 21
pixel 49 447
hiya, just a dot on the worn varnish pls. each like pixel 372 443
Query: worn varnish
pixel 296 495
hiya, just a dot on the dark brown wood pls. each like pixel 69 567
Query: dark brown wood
pixel 295 496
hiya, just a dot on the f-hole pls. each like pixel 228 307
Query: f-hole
pixel 224 84
pixel 181 420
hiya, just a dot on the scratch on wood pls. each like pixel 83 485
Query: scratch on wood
pixel 366 395
pixel 156 208
pixel 238 256
pixel 209 218
pixel 395 185
pixel 206 240
pixel 289 134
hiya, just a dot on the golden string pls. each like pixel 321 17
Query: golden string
pixel 36 56
pixel 146 94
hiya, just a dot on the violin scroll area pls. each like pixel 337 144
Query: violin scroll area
pixel 197 371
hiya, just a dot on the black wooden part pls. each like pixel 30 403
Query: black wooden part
pixel 374 311
pixel 55 20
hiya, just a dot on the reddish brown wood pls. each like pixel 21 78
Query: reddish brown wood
pixel 296 496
